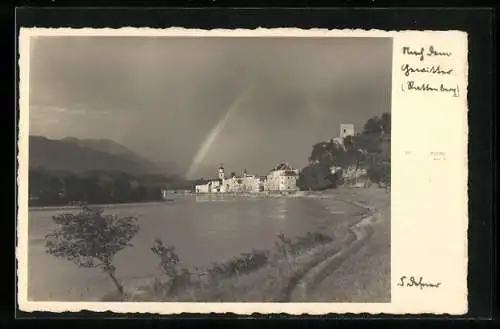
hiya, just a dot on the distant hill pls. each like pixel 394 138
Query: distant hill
pixel 77 155
pixel 114 148
pixel 104 145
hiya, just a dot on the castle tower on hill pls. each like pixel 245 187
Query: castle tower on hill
pixel 346 129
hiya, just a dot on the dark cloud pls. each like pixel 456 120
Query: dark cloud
pixel 161 96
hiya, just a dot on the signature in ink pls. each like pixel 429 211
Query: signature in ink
pixel 412 281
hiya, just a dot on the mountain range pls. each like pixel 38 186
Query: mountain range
pixel 80 155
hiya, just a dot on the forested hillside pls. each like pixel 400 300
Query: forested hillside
pixel 369 149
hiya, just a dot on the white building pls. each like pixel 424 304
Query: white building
pixel 280 178
pixel 251 183
pixel 205 188
pixel 213 186
pixel 234 184
pixel 335 169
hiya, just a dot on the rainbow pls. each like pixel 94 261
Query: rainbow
pixel 215 131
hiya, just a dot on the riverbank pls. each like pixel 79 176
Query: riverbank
pixel 171 198
pixel 197 196
pixel 348 257
pixel 364 274
pixel 104 205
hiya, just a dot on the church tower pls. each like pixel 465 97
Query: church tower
pixel 221 172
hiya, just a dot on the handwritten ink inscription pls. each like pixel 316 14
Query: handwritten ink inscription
pixel 413 86
pixel 421 53
pixel 407 70
pixel 418 72
pixel 412 281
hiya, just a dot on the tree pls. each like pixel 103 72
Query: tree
pixel 386 122
pixel 372 126
pixel 35 182
pixel 349 142
pixel 91 239
pixel 377 124
pixel 122 188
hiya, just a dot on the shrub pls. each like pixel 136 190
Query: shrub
pixel 169 263
pixel 200 282
pixel 242 264
pixel 287 247
pixel 91 239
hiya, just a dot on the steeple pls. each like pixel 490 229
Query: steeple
pixel 221 172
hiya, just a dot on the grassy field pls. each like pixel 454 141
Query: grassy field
pixel 363 277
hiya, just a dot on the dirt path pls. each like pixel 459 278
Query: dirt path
pixel 359 231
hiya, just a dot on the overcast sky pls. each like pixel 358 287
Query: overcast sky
pixel 161 96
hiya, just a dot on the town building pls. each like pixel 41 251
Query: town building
pixel 280 178
pixel 167 193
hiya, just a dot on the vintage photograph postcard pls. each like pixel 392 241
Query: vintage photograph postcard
pixel 242 171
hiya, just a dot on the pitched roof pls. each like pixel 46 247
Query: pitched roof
pixel 282 166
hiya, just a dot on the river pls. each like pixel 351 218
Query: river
pixel 203 230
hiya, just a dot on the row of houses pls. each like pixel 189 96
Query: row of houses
pixel 282 178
